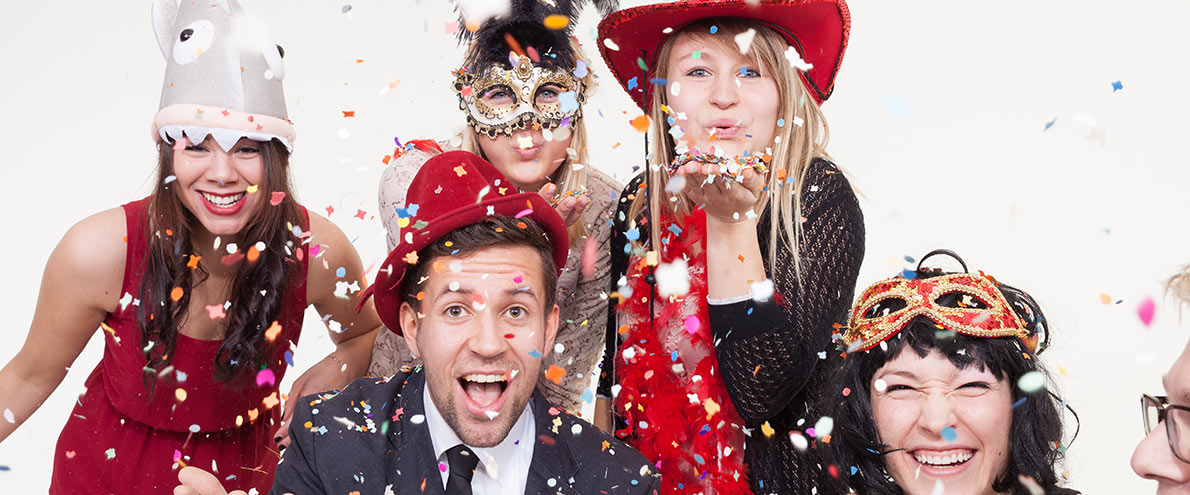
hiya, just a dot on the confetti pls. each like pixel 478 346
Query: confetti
pixel 273 331
pixel 711 407
pixel 1104 299
pixel 555 374
pixel 536 354
pixel 795 59
pixel 949 434
pixel 744 40
pixel 767 429
pixel 569 101
pixel 276 198
pixel 611 45
pixel 348 113
pixel 693 324
pixel 1049 124
pixel 110 453
pixel 1145 310
pixel 8 416
pixel 641 123
pixel 266 377
pixel 215 312
pixel 823 427
pixel 1116 86
pixel 556 22
pixel 176 294
pixel 799 441
pixel 180 394
pixel 673 278
pixel 580 69
pixel 1030 382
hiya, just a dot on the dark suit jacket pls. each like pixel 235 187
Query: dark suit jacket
pixel 372 437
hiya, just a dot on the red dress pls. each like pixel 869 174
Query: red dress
pixel 119 441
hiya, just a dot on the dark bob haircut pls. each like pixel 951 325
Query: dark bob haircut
pixel 1036 431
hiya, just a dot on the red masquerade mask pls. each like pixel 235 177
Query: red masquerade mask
pixel 982 310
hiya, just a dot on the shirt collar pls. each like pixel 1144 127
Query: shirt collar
pixel 443 437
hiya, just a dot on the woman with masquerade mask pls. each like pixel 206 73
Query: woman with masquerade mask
pixel 199 290
pixel 522 88
pixel 737 252
pixel 939 390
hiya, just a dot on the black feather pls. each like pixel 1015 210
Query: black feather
pixel 524 23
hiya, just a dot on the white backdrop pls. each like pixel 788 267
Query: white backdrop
pixel 939 115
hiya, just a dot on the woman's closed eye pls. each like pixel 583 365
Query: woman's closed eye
pixel 247 150
pixel 196 147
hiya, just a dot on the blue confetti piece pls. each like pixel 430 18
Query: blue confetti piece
pixel 569 101
pixel 1019 402
pixel 5 468
pixel 1116 86
pixel 340 272
pixel 854 470
pixel 535 354
pixel 699 459
pixel 587 396
pixel 714 29
pixel 705 429
pixel 909 259
pixel 949 434
pixel 673 356
pixel 897 107
pixel 634 482
pixel 675 229
pixel 658 81
pixel 632 234
pixel 749 310
pixel 908 274
pixel 580 69
pixel 780 122
pixel 632 83
pixel 412 209
pixel 1049 124
pixel 670 120
pixel 289 358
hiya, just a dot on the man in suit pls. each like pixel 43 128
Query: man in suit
pixel 471 290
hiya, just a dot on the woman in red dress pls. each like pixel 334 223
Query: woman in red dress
pixel 199 289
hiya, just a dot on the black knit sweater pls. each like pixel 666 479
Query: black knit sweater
pixel 771 354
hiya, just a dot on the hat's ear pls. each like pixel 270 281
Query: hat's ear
pixel 165 12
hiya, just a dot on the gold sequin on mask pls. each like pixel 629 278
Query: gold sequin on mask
pixel 501 101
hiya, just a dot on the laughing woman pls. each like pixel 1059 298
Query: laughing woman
pixel 946 391
pixel 524 106
pixel 199 289
pixel 724 321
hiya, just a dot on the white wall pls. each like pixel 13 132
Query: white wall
pixel 938 114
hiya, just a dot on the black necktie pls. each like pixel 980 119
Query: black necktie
pixel 462 462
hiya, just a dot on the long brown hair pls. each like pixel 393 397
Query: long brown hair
pixel 797 147
pixel 257 288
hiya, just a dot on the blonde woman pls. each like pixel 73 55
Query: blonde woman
pixel 723 323
pixel 526 120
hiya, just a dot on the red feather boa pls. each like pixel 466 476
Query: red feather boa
pixel 684 438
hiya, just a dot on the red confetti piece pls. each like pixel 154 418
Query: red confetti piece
pixel 276 198
pixel 348 113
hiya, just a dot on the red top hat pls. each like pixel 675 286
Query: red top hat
pixel 818 29
pixel 453 190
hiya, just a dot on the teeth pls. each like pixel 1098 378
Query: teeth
pixel 480 378
pixel 944 460
pixel 223 201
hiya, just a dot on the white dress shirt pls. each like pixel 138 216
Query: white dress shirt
pixel 504 468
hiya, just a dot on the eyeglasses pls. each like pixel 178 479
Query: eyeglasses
pixel 1177 423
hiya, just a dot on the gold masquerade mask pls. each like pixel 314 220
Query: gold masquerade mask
pixel 500 101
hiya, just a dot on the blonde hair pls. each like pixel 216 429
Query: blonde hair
pixel 1178 286
pixel 796 147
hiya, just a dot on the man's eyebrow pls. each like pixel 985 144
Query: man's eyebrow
pixel 446 289
pixel 524 289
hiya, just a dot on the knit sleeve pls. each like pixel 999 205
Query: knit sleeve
pixel 767 351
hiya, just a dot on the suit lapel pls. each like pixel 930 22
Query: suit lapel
pixel 411 467
pixel 552 459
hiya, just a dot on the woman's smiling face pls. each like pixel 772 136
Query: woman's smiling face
pixel 942 424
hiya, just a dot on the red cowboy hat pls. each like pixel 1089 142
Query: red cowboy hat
pixel 453 190
pixel 818 29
